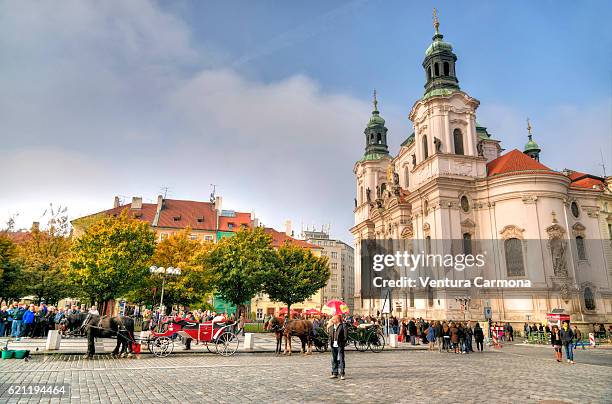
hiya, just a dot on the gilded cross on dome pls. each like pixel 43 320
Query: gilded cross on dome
pixel 375 101
pixel 436 22
pixel 528 126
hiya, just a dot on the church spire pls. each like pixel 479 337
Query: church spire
pixel 439 64
pixel 531 147
pixel 376 134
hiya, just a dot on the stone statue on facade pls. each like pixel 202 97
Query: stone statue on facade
pixel 557 251
pixel 368 196
pixel 437 144
pixel 480 148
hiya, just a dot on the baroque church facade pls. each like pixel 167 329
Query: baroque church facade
pixel 451 181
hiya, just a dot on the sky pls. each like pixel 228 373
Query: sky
pixel 268 100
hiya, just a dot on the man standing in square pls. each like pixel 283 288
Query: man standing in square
pixel 338 334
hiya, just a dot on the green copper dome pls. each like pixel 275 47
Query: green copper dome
pixel 438 45
pixel 531 145
pixel 376 120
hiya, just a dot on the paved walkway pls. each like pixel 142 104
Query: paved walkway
pixel 497 376
pixel 263 342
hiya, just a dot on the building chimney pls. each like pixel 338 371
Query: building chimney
pixel 218 203
pixel 35 226
pixel 116 203
pixel 288 228
pixel 136 202
pixel 160 205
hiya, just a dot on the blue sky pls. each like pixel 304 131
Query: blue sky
pixel 268 99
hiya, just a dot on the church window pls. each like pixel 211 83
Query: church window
pixel 428 72
pixel 575 210
pixel 436 69
pixel 428 245
pixel 580 248
pixel 446 69
pixel 406 176
pixel 514 257
pixel 589 299
pixel 361 195
pixel 465 204
pixel 610 231
pixel 458 139
pixel 425 149
pixel 378 138
pixel 467 243
pixel 430 296
pixel 411 294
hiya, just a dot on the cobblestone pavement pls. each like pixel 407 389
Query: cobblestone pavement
pixel 514 374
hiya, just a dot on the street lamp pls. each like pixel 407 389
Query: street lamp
pixel 163 272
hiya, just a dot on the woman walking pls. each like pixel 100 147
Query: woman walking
pixel 555 340
pixel 431 335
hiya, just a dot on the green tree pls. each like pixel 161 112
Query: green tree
pixel 297 276
pixel 240 265
pixel 191 287
pixel 11 285
pixel 112 257
pixel 44 258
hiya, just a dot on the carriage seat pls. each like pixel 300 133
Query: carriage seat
pixel 366 325
pixel 187 324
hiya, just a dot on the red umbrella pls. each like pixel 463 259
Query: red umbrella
pixel 313 312
pixel 284 311
pixel 334 307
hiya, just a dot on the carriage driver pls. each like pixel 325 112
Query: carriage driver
pixel 338 334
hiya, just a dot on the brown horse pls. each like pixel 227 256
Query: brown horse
pixel 303 329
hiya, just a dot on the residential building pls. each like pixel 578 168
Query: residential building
pixel 341 285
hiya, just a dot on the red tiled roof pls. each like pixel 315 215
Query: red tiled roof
pixel 279 239
pixel 238 221
pixel 515 161
pixel 582 180
pixel 17 237
pixel 175 214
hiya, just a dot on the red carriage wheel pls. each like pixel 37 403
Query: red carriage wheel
pixel 227 344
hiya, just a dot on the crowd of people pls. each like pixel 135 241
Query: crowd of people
pixel 20 320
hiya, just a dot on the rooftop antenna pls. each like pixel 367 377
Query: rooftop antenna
pixel 603 164
pixel 165 190
pixel 212 194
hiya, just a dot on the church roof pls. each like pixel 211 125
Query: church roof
pixel 582 180
pixel 515 162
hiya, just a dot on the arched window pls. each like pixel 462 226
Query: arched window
pixel 406 176
pixel 428 245
pixel 514 257
pixel 378 138
pixel 467 243
pixel 458 140
pixel 411 294
pixel 425 148
pixel 589 299
pixel 436 69
pixel 429 73
pixel 446 69
pixel 580 248
pixel 361 195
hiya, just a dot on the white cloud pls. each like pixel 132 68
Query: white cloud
pixel 569 136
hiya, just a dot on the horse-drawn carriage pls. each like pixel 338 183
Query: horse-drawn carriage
pixel 366 336
pixel 217 332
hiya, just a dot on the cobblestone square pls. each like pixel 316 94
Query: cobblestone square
pixel 512 374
